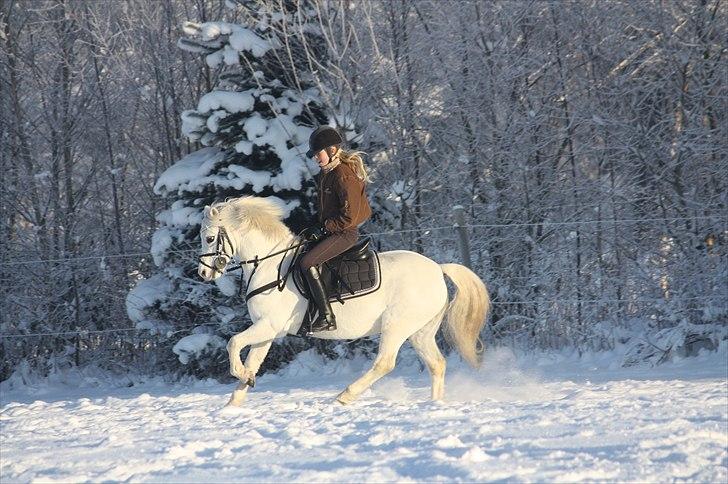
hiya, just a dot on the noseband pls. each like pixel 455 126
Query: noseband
pixel 221 258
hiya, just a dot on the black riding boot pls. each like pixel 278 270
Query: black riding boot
pixel 325 321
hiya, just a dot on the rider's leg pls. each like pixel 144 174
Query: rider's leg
pixel 328 248
pixel 325 321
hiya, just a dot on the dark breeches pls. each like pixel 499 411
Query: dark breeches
pixel 329 248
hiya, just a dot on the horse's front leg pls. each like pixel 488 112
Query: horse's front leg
pixel 260 332
pixel 252 363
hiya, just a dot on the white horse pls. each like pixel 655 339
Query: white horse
pixel 410 304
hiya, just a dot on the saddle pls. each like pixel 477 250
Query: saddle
pixel 354 273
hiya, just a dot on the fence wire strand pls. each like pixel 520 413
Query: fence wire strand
pixel 494 303
pixel 392 232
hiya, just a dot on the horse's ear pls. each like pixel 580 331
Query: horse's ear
pixel 206 211
pixel 214 212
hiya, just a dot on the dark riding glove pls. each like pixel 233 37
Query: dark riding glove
pixel 315 233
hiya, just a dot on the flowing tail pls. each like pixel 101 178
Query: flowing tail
pixel 467 312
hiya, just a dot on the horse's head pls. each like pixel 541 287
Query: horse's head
pixel 217 248
pixel 253 222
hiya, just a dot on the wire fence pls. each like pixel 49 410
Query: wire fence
pixel 393 232
pixel 496 302
pixel 724 298
pixel 94 331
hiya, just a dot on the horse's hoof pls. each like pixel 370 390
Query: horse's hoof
pixel 345 398
pixel 232 408
pixel 236 401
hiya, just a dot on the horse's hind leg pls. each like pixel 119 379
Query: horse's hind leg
pixel 389 346
pixel 424 343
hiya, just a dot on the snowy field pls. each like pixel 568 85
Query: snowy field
pixel 517 419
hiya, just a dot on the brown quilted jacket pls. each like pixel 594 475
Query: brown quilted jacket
pixel 343 201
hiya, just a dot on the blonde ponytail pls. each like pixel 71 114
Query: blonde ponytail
pixel 355 160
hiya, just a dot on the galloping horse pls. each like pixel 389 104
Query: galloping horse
pixel 410 304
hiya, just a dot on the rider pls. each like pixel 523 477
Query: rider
pixel 343 206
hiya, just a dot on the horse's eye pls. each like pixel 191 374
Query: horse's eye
pixel 210 239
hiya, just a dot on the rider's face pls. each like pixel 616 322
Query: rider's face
pixel 322 158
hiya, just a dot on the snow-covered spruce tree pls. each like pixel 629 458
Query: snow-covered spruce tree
pixel 254 128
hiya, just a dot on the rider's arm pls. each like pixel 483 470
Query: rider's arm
pixel 353 205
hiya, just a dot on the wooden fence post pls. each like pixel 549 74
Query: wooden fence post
pixel 459 224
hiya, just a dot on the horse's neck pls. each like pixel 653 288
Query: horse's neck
pixel 253 243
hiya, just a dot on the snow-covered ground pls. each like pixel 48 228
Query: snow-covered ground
pixel 518 419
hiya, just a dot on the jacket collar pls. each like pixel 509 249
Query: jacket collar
pixel 336 161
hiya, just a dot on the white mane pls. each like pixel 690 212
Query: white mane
pixel 263 214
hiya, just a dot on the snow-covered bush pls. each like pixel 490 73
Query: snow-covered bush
pixel 683 340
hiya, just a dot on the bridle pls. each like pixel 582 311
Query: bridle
pixel 222 259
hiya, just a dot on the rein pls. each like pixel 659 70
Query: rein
pixel 222 258
pixel 280 282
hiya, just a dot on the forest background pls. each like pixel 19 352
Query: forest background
pixel 586 142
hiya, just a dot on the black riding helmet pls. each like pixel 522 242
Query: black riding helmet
pixel 322 138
